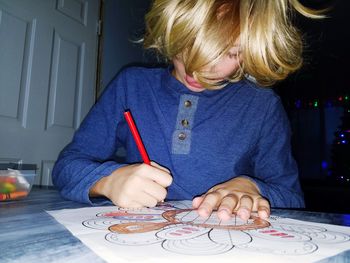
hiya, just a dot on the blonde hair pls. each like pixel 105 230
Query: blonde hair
pixel 203 31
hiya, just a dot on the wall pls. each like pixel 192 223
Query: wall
pixel 122 22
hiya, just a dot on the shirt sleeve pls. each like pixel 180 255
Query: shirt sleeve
pixel 275 170
pixel 90 154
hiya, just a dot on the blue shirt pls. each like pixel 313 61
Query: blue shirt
pixel 203 138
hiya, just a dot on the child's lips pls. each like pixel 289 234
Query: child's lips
pixel 191 81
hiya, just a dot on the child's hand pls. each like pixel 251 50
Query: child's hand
pixel 239 194
pixel 136 185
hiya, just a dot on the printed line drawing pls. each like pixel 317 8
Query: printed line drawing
pixel 189 217
pixel 179 229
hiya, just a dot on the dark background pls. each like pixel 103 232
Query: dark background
pixel 324 79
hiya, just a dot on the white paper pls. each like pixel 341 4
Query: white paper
pixel 185 237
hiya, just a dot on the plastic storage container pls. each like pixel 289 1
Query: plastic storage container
pixel 16 180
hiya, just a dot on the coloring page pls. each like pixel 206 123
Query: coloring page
pixel 173 231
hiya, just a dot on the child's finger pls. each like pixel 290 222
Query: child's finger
pixel 133 204
pixel 158 175
pixel 197 201
pixel 126 202
pixel 160 167
pixel 154 189
pixel 245 207
pixel 263 208
pixel 209 203
pixel 228 204
pixel 146 200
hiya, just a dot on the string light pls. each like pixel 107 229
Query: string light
pixel 326 103
pixel 338 167
pixel 324 165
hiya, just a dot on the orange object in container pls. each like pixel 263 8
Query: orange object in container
pixel 16 180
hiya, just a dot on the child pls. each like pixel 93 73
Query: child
pixel 216 135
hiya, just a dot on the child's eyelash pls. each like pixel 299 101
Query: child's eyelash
pixel 233 55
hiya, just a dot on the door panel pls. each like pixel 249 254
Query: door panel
pixel 48 51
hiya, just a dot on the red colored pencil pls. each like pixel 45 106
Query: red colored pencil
pixel 137 138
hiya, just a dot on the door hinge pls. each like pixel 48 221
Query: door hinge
pixel 99 27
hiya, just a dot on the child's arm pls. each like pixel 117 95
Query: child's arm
pixel 275 170
pixel 86 170
pixel 89 156
pixel 274 177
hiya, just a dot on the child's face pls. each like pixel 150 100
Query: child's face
pixel 225 68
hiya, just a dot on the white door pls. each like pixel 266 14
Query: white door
pixel 48 58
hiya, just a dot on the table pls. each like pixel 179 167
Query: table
pixel 29 234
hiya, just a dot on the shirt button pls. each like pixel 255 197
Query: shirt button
pixel 188 103
pixel 185 123
pixel 182 136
